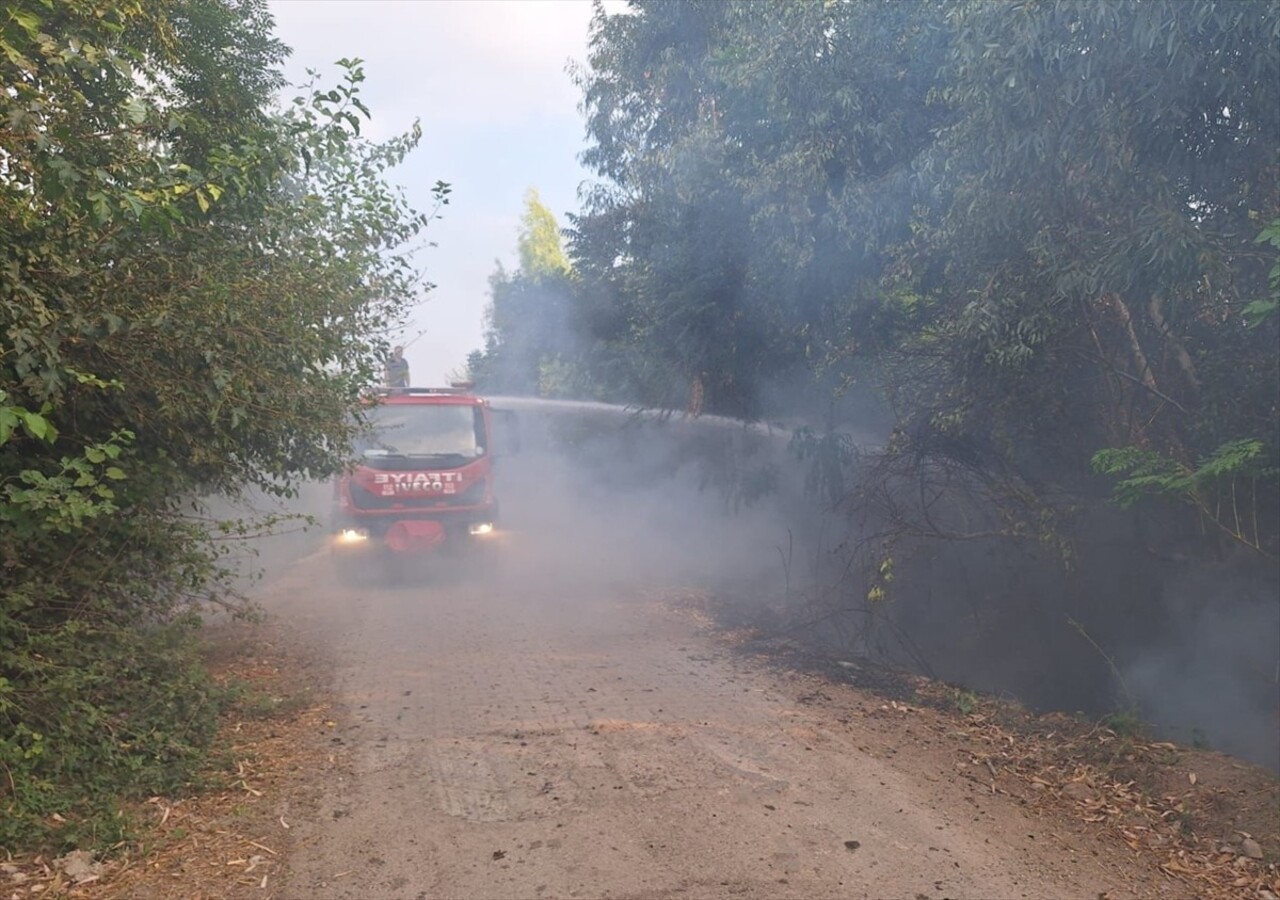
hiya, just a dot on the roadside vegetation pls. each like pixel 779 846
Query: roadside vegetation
pixel 1037 242
pixel 193 286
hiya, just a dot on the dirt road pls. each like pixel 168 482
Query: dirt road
pixel 535 738
pixel 550 724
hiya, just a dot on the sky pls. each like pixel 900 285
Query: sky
pixel 487 79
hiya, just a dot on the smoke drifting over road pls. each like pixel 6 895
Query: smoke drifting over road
pixel 600 495
pixel 601 501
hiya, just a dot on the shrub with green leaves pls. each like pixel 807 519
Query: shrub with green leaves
pixel 195 286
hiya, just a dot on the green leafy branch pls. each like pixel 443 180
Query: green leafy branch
pixel 1259 311
pixel 1218 486
pixel 77 488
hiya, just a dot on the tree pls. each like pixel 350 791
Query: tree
pixel 538 246
pixel 755 156
pixel 1090 255
pixel 991 210
pixel 530 346
pixel 193 286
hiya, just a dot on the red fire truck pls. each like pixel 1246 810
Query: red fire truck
pixel 424 476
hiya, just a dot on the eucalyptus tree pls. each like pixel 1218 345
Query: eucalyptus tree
pixel 754 159
pixel 1088 244
pixel 1031 225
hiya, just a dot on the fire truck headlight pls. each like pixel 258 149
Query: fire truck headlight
pixel 352 536
pixel 481 528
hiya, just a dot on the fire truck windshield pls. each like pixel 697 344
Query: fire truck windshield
pixel 446 433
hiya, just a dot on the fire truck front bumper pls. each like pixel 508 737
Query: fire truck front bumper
pixel 409 536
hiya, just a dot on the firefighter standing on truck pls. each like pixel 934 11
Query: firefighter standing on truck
pixel 397 369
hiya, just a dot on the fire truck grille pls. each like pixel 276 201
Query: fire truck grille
pixel 362 498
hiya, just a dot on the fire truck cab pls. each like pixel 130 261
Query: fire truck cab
pixel 424 476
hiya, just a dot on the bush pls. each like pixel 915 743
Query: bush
pixel 192 288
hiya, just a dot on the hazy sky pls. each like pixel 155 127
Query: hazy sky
pixel 499 115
